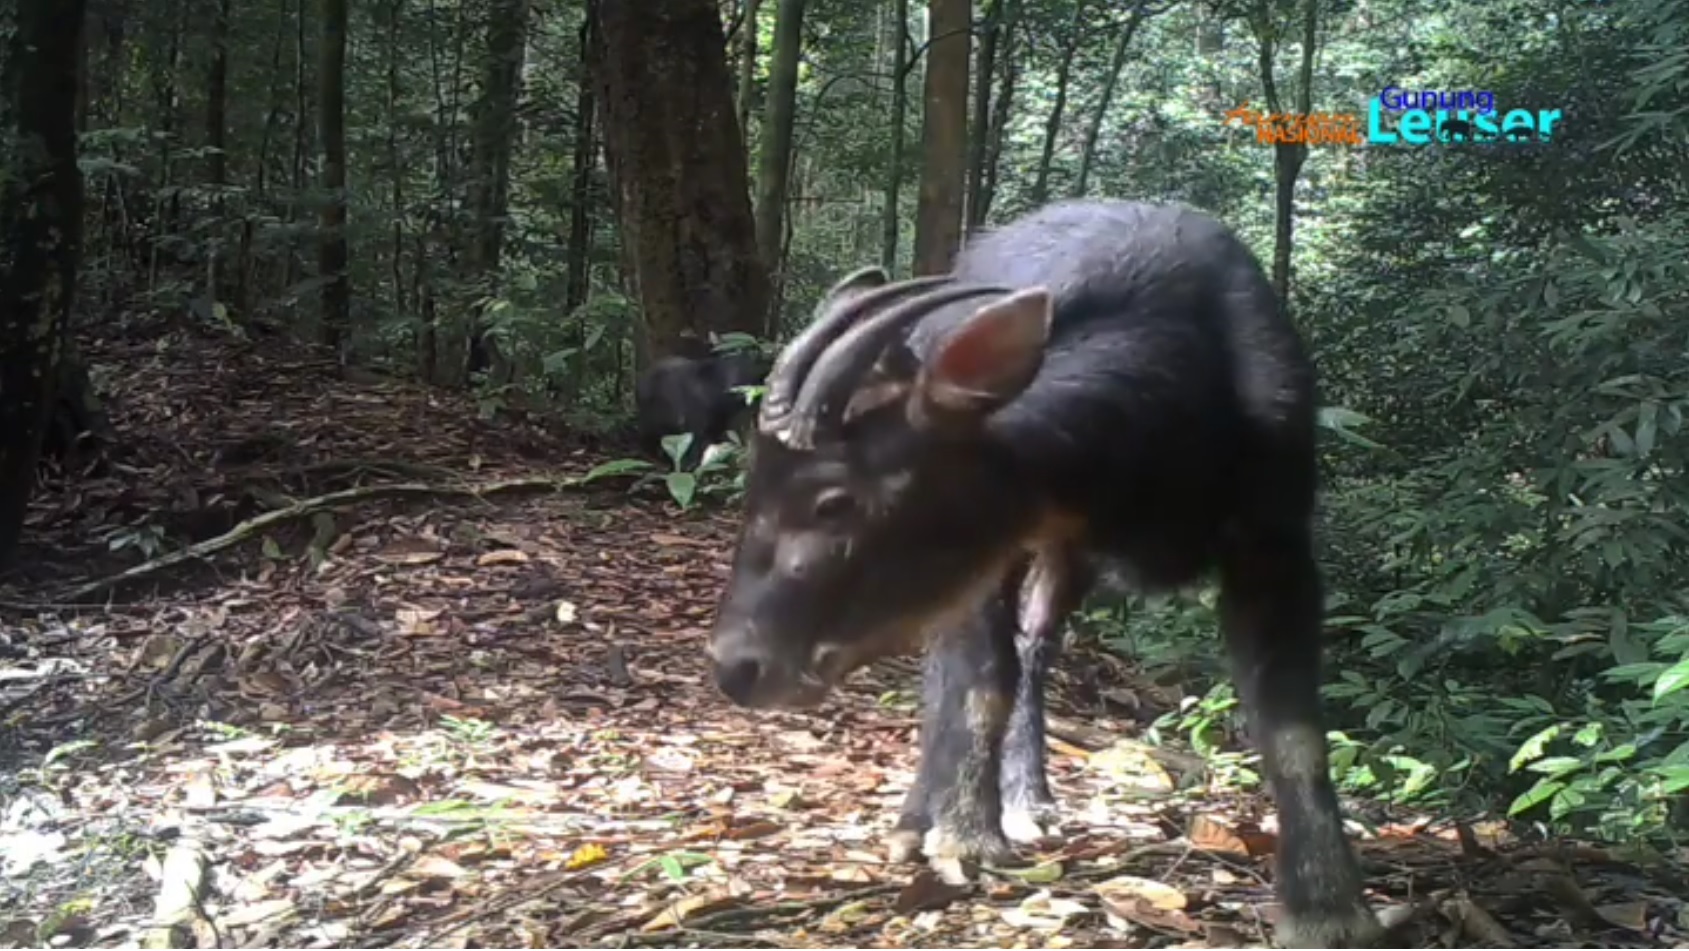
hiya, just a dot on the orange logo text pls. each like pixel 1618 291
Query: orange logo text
pixel 1319 128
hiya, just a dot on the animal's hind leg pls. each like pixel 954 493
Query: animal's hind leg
pixel 1270 610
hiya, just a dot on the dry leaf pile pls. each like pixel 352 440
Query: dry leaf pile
pixel 478 720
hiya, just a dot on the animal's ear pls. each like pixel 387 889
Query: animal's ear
pixel 987 361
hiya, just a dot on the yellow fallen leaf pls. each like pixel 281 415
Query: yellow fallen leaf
pixel 504 556
pixel 589 854
pixel 1125 889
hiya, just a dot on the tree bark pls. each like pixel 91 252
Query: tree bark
pixel 40 238
pixel 944 136
pixel 331 241
pixel 678 168
pixel 774 167
pixel 898 135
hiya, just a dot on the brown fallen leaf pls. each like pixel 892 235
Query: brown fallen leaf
pixel 753 830
pixel 927 892
pixel 687 908
pixel 504 556
pixel 1476 923
pixel 1629 914
pixel 1214 834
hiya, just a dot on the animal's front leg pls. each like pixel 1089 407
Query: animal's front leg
pixel 954 813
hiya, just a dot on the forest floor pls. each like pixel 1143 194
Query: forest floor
pixel 471 712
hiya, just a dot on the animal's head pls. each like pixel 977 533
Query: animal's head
pixel 878 505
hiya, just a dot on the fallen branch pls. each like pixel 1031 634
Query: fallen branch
pixel 301 509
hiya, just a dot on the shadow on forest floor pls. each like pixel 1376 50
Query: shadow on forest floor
pixel 449 719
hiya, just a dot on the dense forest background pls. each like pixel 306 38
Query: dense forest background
pixel 528 199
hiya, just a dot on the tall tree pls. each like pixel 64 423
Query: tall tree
pixel 1269 26
pixel 1069 46
pixel 216 132
pixel 1141 10
pixel 678 170
pixel 1000 18
pixel 775 163
pixel 40 237
pixel 1002 109
pixel 748 68
pixel 898 134
pixel 944 136
pixel 492 141
pixel 331 243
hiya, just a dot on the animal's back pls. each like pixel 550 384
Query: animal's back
pixel 1175 397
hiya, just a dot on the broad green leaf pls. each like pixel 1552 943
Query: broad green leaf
pixel 1675 678
pixel 1555 766
pixel 1540 793
pixel 1533 748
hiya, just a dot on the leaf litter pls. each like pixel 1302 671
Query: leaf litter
pixel 472 718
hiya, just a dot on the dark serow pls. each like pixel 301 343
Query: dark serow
pixel 696 395
pixel 1101 389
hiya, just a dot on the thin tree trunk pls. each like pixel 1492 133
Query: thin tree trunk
pixel 1052 123
pixel 580 188
pixel 748 68
pixel 41 231
pixel 496 128
pixel 774 167
pixel 979 131
pixel 1288 157
pixel 396 168
pixel 1002 108
pixel 216 135
pixel 898 134
pixel 331 246
pixel 1094 127
pixel 944 136
pixel 302 124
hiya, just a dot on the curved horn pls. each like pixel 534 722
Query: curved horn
pixel 840 367
pixel 840 309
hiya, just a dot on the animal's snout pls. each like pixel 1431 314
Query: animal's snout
pixel 738 676
pixel 740 662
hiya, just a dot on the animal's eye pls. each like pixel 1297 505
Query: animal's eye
pixel 834 504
